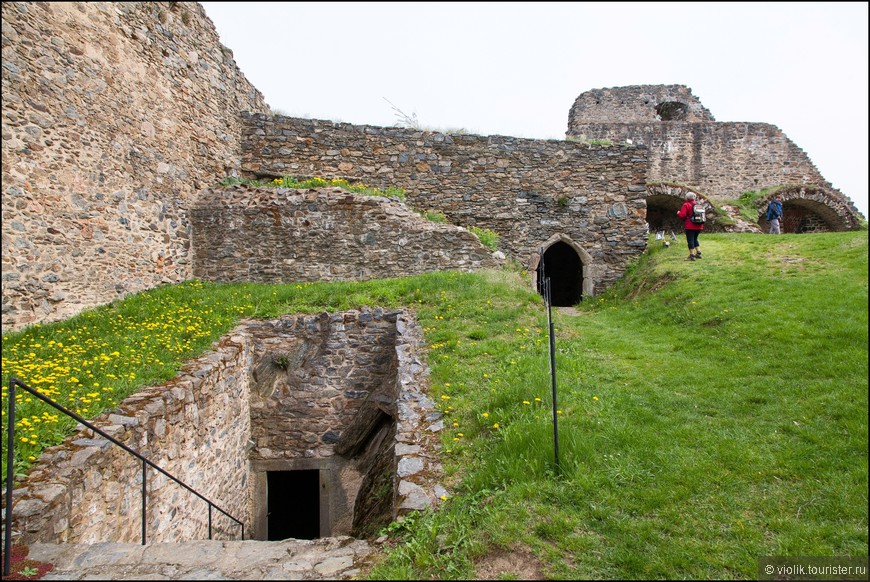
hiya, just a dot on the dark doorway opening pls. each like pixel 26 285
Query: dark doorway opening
pixel 562 265
pixel 293 504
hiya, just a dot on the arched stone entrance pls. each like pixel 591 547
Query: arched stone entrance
pixel 808 209
pixel 568 267
pixel 664 200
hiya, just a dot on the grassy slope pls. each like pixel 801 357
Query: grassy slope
pixel 709 413
pixel 712 413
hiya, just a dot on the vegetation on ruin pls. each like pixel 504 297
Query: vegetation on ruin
pixel 317 182
pixel 747 203
pixel 709 413
pixel 489 238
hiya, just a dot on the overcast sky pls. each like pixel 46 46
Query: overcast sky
pixel 515 68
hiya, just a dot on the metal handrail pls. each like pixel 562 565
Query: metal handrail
pixel 7 544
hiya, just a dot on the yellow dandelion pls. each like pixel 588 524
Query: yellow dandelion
pixel 485 415
pixel 594 398
pixel 495 425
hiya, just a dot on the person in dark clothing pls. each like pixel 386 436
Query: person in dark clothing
pixel 774 214
pixel 692 229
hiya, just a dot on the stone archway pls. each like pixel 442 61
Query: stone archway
pixel 569 268
pixel 808 209
pixel 664 200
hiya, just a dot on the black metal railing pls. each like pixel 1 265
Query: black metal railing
pixel 10 459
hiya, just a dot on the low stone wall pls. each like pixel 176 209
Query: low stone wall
pixel 196 427
pixel 274 235
pixel 343 393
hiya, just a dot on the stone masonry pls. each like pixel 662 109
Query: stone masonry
pixel 720 160
pixel 293 390
pixel 525 190
pixel 196 427
pixel 276 235
pixel 114 115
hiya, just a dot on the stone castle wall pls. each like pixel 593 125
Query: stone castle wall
pixel 637 104
pixel 721 160
pixel 525 190
pixel 274 235
pixel 114 115
pixel 196 427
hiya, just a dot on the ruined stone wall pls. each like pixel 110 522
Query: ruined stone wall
pixel 637 104
pixel 196 427
pixel 525 190
pixel 721 160
pixel 273 235
pixel 311 374
pixel 114 114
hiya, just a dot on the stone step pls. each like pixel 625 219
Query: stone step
pixel 334 558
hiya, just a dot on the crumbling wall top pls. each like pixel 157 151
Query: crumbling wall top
pixel 637 104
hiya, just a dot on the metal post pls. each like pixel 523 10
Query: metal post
pixel 144 494
pixel 10 473
pixel 553 376
pixel 209 521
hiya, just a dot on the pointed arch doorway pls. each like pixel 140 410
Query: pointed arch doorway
pixel 567 266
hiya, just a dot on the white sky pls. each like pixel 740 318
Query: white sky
pixel 515 68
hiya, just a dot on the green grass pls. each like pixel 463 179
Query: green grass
pixel 317 182
pixel 709 413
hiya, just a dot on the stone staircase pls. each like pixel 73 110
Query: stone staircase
pixel 336 558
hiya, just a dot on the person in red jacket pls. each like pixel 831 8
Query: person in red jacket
pixel 692 229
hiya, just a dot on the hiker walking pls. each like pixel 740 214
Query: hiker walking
pixel 774 214
pixel 693 229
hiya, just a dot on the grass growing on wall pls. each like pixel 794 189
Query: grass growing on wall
pixel 318 182
pixel 709 413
